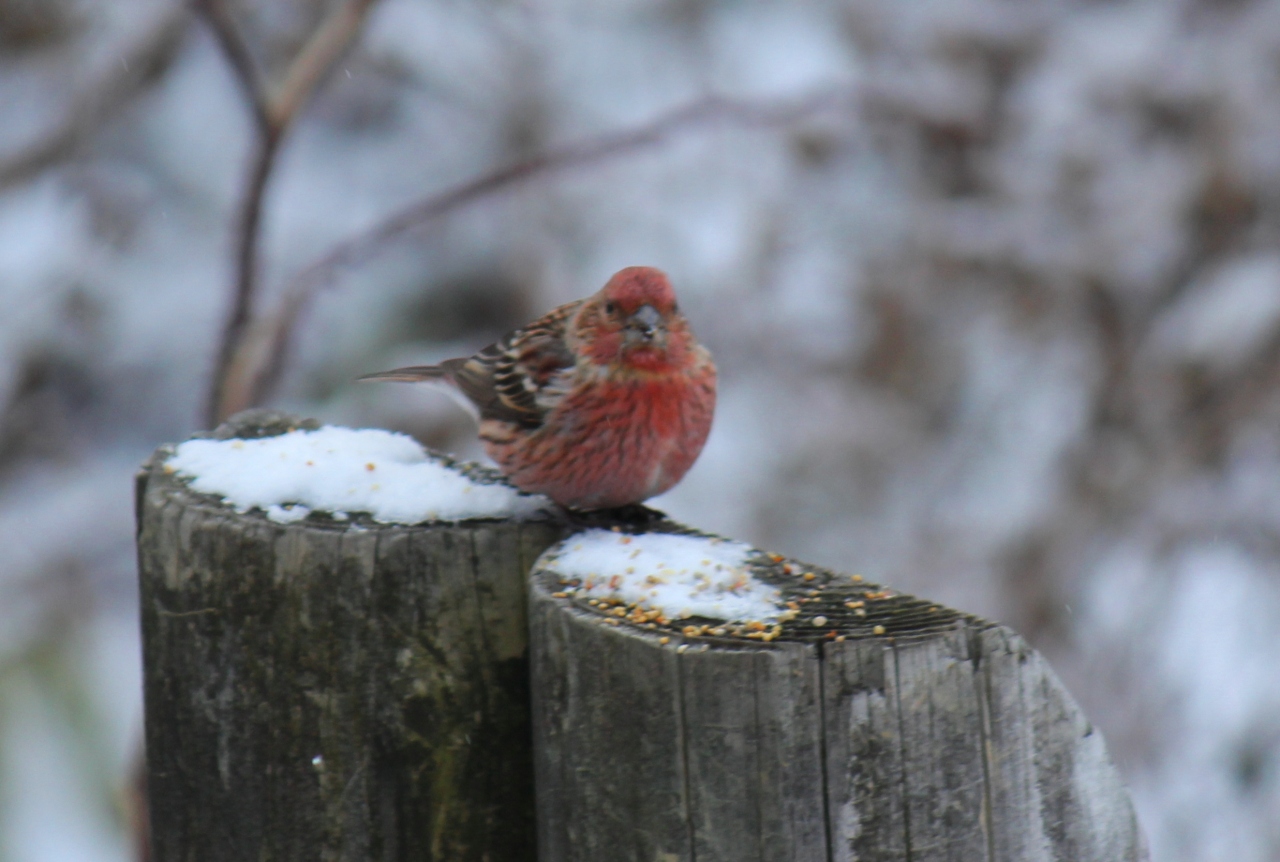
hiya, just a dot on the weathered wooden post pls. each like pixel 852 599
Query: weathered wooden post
pixel 333 689
pixel 861 726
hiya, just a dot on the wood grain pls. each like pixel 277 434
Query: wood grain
pixel 326 690
pixel 876 727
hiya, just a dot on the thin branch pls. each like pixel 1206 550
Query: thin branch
pixel 249 218
pixel 317 58
pixel 123 79
pixel 584 154
pixel 238 57
pixel 273 341
pixel 273 118
pixel 248 234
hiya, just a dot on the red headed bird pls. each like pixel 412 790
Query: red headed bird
pixel 602 402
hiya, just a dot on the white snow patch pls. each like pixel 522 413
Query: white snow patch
pixel 342 470
pixel 681 576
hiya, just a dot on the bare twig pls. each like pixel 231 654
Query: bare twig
pixel 273 117
pixel 249 218
pixel 273 339
pixel 317 57
pixel 238 56
pixel 124 77
pixel 248 233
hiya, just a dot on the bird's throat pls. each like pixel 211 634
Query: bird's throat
pixel 646 359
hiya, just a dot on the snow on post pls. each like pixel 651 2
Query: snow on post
pixel 336 471
pixel 335 648
pixel 695 699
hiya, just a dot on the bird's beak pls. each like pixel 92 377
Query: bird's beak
pixel 646 325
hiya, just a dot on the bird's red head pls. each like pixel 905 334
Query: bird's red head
pixel 632 288
pixel 635 322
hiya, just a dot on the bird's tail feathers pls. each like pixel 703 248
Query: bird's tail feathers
pixel 411 374
pixel 442 374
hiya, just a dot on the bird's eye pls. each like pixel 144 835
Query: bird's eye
pixel 675 308
pixel 610 308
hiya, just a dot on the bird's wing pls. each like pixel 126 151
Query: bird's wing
pixel 505 379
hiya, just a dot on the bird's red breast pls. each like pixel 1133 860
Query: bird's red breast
pixel 611 442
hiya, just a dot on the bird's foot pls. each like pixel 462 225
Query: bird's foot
pixel 633 516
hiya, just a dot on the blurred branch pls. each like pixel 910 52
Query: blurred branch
pixel 124 78
pixel 273 115
pixel 317 58
pixel 238 57
pixel 271 343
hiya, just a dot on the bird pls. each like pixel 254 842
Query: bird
pixel 601 403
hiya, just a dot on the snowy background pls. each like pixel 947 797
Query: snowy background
pixel 999 324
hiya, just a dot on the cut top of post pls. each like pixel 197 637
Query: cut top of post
pixel 681 581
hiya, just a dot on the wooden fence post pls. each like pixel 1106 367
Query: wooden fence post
pixel 320 691
pixel 875 728
pixel 352 690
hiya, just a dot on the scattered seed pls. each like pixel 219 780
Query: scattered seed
pixel 878 630
pixel 819 621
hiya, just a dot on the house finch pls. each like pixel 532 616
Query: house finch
pixel 603 402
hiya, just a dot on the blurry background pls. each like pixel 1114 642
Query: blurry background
pixel 998 323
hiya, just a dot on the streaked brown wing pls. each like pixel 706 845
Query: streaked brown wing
pixel 505 378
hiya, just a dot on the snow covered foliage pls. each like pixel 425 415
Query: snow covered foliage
pixel 998 326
